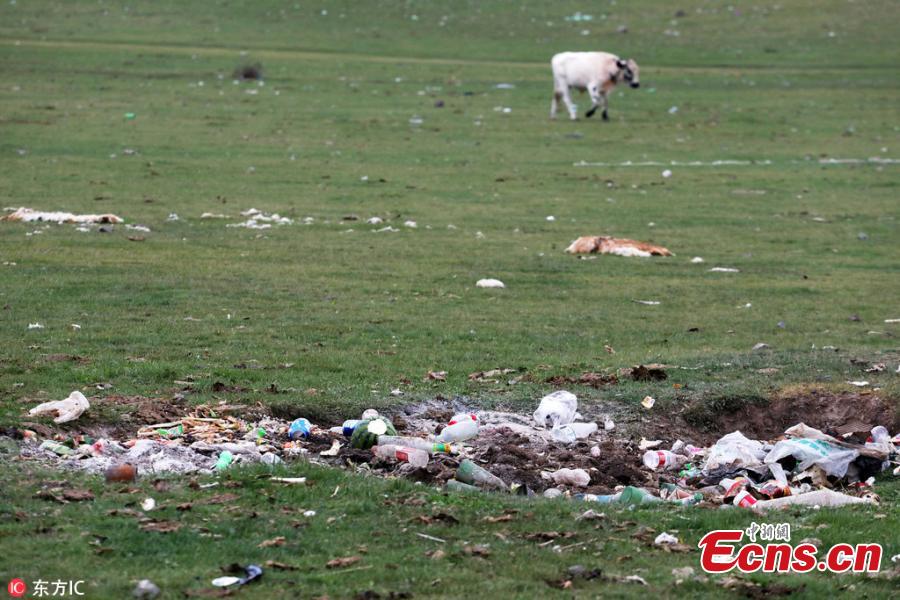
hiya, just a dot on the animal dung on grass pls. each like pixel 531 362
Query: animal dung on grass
pixel 253 72
pixel 29 215
pixel 489 283
pixel 601 244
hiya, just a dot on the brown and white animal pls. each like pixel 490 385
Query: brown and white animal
pixel 597 73
pixel 602 244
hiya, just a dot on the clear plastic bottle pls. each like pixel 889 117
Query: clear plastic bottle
pixel 414 456
pixel 414 442
pixel 662 460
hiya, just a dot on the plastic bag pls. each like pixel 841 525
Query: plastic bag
pixel 821 498
pixel 833 459
pixel 735 450
pixel 65 410
pixel 556 409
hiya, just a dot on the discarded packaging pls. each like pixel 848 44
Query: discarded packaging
pixel 459 431
pixel 489 283
pixel 735 450
pixel 145 590
pixel 412 442
pixel 28 215
pixel 253 573
pixel 300 428
pixel 472 474
pixel 662 460
pixel 575 477
pixel 619 246
pixel 648 402
pixel 458 486
pixel 817 498
pixel 64 410
pixel 558 408
pixel 414 456
pixel 224 461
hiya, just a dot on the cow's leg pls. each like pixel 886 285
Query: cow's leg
pixel 605 102
pixel 570 106
pixel 554 104
pixel 595 100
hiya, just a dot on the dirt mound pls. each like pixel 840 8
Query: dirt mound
pixel 833 411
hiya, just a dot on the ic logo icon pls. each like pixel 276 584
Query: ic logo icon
pixel 16 588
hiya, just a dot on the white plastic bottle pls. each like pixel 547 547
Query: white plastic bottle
pixel 459 431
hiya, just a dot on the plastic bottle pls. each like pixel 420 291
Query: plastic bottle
pixel 460 417
pixel 299 429
pixel 414 442
pixel 459 431
pixel 458 486
pixel 225 460
pixel 349 425
pixel 471 473
pixel 414 456
pixel 635 495
pixel 56 447
pixel 661 459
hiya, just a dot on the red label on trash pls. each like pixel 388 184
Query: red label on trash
pixel 744 499
pixel 16 588
pixel 402 455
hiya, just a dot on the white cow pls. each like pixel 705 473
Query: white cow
pixel 594 72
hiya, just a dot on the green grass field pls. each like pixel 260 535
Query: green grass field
pixel 347 123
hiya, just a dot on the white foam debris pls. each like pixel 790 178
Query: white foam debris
pixel 410 224
pixel 697 260
pixel 724 270
pixel 374 220
pixel 143 228
pixel 35 326
pixel 261 220
pixel 489 283
pixel 172 217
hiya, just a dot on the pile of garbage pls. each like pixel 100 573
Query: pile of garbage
pixel 554 453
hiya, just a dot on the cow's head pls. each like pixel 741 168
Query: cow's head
pixel 629 71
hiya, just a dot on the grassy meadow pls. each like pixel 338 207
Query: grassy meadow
pixel 393 110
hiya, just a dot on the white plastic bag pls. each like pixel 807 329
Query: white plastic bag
pixel 574 477
pixel 556 409
pixel 65 410
pixel 820 498
pixel 736 450
pixel 833 459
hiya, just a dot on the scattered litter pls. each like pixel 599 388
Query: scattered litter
pixel 253 573
pixel 760 345
pixel 261 220
pixel 65 410
pixel 672 111
pixel 573 477
pixel 859 383
pixel 648 302
pixel 28 215
pixel 617 246
pixel 410 224
pixel 489 283
pixel 723 270
pixel 209 215
pixel 558 408
pixel 290 480
pixel 667 173
pixel 171 217
pixel 648 402
pixel 35 326
pixel 148 504
pixel 145 590
pixel 374 220
pixel 665 538
pixel 551 218
pixel 143 228
pixel 505 86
